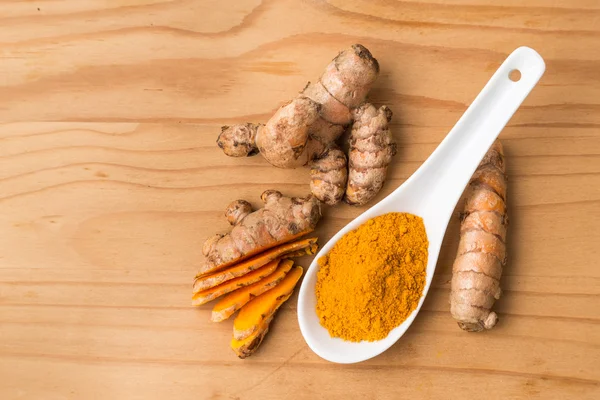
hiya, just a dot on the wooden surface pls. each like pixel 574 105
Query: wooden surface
pixel 110 180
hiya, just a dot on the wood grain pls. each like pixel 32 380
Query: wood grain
pixel 110 180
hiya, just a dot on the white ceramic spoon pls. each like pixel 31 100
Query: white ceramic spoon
pixel 432 193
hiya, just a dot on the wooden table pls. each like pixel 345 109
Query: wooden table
pixel 110 180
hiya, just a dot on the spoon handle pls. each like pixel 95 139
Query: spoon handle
pixel 452 164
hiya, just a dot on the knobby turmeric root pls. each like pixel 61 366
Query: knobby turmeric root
pixel 305 130
pixel 205 296
pixel 328 176
pixel 371 151
pixel 482 247
pixel 281 220
pixel 257 311
pixel 204 282
pixel 229 304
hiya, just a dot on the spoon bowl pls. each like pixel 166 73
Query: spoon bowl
pixel 431 193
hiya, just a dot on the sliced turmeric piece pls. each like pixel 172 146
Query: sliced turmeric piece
pixel 308 251
pixel 261 308
pixel 203 282
pixel 207 295
pixel 246 347
pixel 229 304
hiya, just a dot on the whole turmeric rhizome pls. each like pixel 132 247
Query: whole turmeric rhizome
pixel 373 278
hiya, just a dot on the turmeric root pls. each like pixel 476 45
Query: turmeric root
pixel 236 211
pixel 229 304
pixel 204 282
pixel 329 176
pixel 261 308
pixel 207 295
pixel 305 130
pixel 371 151
pixel 482 248
pixel 343 86
pixel 281 220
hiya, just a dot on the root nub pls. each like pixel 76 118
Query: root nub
pixel 238 140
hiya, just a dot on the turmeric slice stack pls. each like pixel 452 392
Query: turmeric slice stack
pixel 205 296
pixel 250 265
pixel 301 247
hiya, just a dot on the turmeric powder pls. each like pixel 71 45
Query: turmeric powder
pixel 373 277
